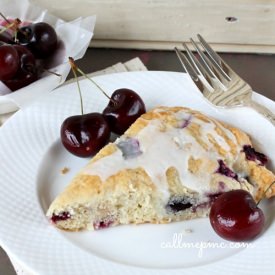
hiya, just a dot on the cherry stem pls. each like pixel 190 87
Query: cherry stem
pixel 80 95
pixel 15 37
pixel 90 79
pixel 80 71
pixel 74 70
pixel 5 18
pixel 6 27
pixel 266 191
pixel 51 72
pixel 13 26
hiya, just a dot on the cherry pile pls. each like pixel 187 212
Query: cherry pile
pixel 84 135
pixel 22 51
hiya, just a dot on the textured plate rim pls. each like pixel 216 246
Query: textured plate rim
pixel 101 78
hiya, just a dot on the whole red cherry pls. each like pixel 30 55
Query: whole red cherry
pixel 124 107
pixel 235 216
pixel 85 135
pixel 26 72
pixel 40 38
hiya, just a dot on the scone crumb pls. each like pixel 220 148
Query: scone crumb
pixel 64 170
pixel 187 231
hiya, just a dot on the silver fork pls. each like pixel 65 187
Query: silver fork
pixel 217 81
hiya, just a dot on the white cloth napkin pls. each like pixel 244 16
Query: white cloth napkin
pixel 131 65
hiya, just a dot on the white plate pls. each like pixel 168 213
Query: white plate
pixel 32 158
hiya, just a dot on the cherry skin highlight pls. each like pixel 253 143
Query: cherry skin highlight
pixel 9 62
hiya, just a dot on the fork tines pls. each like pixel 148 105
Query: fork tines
pixel 208 71
pixel 217 81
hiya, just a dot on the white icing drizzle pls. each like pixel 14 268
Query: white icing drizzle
pixel 209 128
pixel 162 150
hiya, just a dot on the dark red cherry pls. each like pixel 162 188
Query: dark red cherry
pixel 9 61
pixel 85 135
pixel 235 216
pixel 123 109
pixel 27 71
pixel 40 38
pixel 6 37
pixel 20 80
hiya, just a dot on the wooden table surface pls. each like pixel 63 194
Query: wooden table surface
pixel 257 69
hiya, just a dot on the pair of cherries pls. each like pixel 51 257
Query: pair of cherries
pixel 84 135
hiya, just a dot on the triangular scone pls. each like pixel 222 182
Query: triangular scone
pixel 169 166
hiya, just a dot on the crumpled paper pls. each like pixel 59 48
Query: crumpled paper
pixel 75 37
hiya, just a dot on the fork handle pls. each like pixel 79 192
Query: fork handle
pixel 262 110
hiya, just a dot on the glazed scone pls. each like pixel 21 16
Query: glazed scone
pixel 169 166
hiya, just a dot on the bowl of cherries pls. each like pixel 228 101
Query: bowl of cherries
pixel 23 51
pixel 85 134
pixel 34 50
